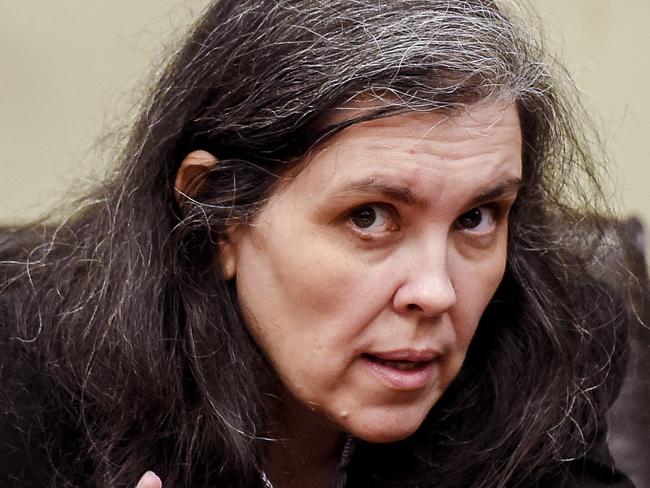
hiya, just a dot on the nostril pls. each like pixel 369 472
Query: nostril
pixel 413 307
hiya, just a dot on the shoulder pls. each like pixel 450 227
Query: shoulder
pixel 596 469
pixel 35 431
pixel 20 402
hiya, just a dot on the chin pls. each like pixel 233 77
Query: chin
pixel 389 428
pixel 385 436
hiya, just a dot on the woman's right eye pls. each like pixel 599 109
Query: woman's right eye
pixel 372 219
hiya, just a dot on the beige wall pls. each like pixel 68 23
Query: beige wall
pixel 70 72
pixel 70 69
pixel 606 45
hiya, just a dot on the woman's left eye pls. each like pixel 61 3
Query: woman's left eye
pixel 372 218
pixel 479 220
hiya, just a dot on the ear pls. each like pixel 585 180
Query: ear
pixel 188 181
pixel 191 172
pixel 227 258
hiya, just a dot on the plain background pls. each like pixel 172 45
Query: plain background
pixel 72 70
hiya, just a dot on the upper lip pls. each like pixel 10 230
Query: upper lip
pixel 414 355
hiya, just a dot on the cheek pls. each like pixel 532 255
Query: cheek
pixel 476 284
pixel 306 301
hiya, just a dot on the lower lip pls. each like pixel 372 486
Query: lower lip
pixel 403 380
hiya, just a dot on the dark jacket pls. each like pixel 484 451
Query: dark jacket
pixel 42 446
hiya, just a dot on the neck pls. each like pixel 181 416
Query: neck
pixel 307 448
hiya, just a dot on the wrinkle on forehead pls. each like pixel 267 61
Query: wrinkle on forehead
pixel 466 124
pixel 461 139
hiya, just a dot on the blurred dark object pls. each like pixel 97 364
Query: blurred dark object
pixel 629 417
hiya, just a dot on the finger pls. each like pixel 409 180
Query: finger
pixel 149 480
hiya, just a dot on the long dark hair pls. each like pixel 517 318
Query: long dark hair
pixel 137 339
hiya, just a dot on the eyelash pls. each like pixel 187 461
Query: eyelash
pixel 496 212
pixel 379 209
pixel 390 213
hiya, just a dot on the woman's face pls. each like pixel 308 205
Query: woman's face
pixel 364 277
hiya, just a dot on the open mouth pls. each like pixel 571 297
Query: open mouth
pixel 399 364
pixel 402 371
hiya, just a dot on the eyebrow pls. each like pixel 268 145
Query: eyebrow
pixel 507 187
pixel 398 193
pixel 407 196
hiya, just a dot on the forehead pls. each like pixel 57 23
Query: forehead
pixel 420 149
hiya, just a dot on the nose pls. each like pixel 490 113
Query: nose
pixel 426 287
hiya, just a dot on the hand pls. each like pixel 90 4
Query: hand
pixel 149 480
